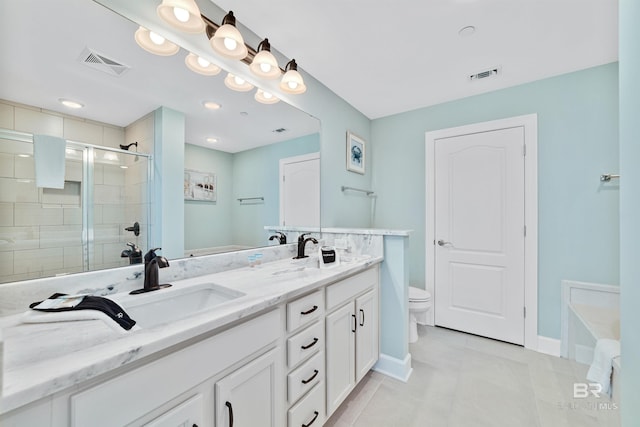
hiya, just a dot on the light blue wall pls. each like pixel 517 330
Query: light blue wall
pixel 168 158
pixel 255 174
pixel 577 141
pixel 630 209
pixel 206 224
pixel 251 173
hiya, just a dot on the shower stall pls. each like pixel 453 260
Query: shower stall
pixel 82 227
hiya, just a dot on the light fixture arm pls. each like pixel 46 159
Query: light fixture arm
pixel 291 65
pixel 212 27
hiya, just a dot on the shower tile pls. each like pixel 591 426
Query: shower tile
pixel 6 116
pixel 19 238
pixel 6 214
pixel 60 236
pixel 73 171
pixel 34 214
pixel 72 216
pixel 114 175
pixel 7 190
pixel 73 257
pixel 37 260
pixel 6 264
pixel 81 131
pixel 108 194
pixel 6 165
pixel 113 214
pixel 106 234
pixel 112 136
pixel 98 174
pixel 25 167
pixel 37 122
pixel 27 192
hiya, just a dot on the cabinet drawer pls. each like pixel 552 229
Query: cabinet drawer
pixel 350 287
pixel 304 344
pixel 305 377
pixel 304 310
pixel 309 411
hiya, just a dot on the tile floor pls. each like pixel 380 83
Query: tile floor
pixel 462 380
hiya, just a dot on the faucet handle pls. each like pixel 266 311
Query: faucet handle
pixel 151 254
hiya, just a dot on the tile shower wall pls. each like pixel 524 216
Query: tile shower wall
pixel 40 230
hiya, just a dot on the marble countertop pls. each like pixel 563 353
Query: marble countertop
pixel 43 358
pixel 341 230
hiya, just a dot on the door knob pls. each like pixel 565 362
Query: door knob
pixel 443 243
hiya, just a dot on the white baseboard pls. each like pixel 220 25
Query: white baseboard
pixel 394 368
pixel 550 346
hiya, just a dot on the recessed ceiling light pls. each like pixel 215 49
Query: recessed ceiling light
pixel 211 105
pixel 212 140
pixel 124 167
pixel 70 104
pixel 467 31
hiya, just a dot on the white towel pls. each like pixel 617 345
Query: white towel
pixel 49 154
pixel 600 370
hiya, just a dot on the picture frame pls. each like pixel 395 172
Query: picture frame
pixel 200 186
pixel 356 153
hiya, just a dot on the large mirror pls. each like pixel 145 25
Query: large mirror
pixel 235 156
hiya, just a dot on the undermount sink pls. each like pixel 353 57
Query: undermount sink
pixel 175 303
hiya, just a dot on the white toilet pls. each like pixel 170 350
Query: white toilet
pixel 419 305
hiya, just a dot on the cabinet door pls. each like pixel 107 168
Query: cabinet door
pixel 367 349
pixel 249 395
pixel 340 341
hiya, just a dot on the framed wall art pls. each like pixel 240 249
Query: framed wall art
pixel 200 186
pixel 356 153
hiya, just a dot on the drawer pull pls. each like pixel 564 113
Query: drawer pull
pixel 304 313
pixel 315 416
pixel 230 413
pixel 315 374
pixel 308 346
pixel 362 317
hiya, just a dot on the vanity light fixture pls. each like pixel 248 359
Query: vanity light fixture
pixel 265 97
pixel 264 64
pixel 237 83
pixel 154 43
pixel 183 15
pixel 70 104
pixel 292 80
pixel 228 41
pixel 200 65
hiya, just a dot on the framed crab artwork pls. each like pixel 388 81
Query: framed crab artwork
pixel 356 153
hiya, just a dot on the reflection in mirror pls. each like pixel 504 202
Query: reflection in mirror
pixel 60 50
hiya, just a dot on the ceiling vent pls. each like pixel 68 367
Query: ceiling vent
pixel 492 72
pixel 98 61
pixel 279 130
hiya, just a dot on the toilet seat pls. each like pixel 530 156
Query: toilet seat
pixel 418 295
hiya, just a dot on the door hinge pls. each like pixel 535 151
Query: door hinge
pixel 524 310
pixel 524 149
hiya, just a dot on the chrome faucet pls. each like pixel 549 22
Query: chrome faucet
pixel 152 264
pixel 302 243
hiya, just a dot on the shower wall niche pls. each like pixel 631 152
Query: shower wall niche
pixel 46 232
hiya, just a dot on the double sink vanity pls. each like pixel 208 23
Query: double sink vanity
pixel 277 344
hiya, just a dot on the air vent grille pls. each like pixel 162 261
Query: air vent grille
pixel 279 130
pixel 100 62
pixel 492 72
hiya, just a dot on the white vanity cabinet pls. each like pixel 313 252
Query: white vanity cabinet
pixel 352 334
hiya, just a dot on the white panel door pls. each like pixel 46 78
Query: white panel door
pixel 479 233
pixel 300 191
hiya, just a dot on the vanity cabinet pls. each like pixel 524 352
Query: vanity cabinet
pixel 352 333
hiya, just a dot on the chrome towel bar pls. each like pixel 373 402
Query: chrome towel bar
pixel 608 177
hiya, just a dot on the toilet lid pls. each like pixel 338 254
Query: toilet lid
pixel 417 294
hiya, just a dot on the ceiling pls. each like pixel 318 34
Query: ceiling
pixel 390 56
pixel 41 43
